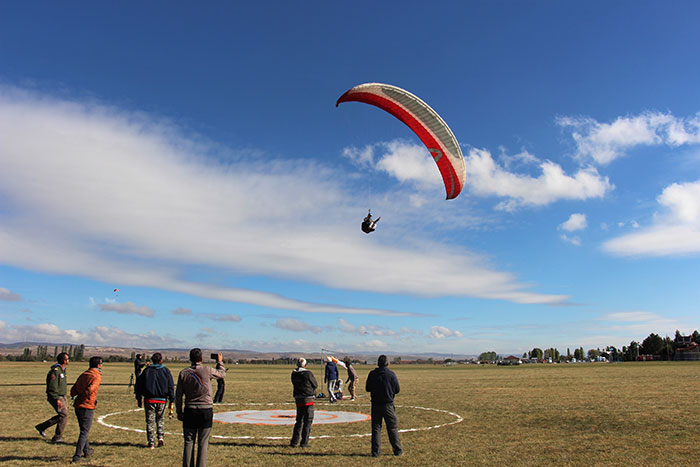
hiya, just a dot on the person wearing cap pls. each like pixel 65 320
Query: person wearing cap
pixel 305 385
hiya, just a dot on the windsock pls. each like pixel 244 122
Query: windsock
pixel 338 362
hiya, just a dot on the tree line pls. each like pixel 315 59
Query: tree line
pixel 659 348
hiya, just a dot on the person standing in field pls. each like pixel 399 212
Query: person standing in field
pixel 383 384
pixel 84 394
pixel 56 388
pixel 352 378
pixel 220 388
pixel 138 365
pixel 305 385
pixel 197 412
pixel 154 388
pixel 330 378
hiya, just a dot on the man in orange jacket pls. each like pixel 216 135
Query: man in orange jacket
pixel 84 394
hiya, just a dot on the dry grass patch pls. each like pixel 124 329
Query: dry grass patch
pixel 579 414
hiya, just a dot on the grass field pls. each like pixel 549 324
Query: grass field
pixel 579 414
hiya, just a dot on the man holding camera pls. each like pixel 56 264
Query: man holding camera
pixel 197 412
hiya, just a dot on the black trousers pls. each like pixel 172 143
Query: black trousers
pixel 387 413
pixel 220 388
pixel 302 427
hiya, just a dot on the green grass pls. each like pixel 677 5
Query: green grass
pixel 580 414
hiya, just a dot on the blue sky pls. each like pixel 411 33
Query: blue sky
pixel 192 157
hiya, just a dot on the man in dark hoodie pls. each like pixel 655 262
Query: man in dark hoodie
pixel 331 378
pixel 383 384
pixel 304 394
pixel 155 388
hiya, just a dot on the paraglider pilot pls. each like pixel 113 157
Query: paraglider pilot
pixel 368 224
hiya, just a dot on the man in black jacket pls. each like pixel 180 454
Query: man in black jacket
pixel 383 384
pixel 304 394
pixel 155 388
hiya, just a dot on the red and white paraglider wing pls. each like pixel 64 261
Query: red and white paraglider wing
pixel 424 121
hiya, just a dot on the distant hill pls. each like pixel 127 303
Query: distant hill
pixel 17 348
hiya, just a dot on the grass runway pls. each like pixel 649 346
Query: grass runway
pixel 645 413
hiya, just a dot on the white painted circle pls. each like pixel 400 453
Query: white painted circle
pixel 457 419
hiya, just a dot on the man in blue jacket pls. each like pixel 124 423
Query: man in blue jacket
pixel 330 378
pixel 155 387
pixel 383 384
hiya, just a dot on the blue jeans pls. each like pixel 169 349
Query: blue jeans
pixel 82 448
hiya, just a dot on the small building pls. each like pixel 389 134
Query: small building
pixel 687 349
pixel 510 360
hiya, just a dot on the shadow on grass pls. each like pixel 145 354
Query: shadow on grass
pixel 21 438
pixel 303 453
pixel 246 444
pixel 31 458
pixel 117 444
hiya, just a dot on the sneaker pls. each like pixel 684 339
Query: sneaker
pixel 41 432
pixel 398 453
pixel 151 446
pixel 161 443
pixel 88 452
pixel 58 441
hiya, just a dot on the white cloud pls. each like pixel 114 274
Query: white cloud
pixel 182 311
pixel 574 240
pixel 675 231
pixel 230 318
pixel 372 330
pixel 403 160
pixel 605 142
pixel 66 211
pixel 645 322
pixel 98 336
pixel 128 308
pixel 441 332
pixel 487 178
pixel 296 325
pixel 575 222
pixel 9 296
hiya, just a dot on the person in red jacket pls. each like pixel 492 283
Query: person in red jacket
pixel 84 394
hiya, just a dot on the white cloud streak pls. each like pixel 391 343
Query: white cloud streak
pixel 98 336
pixel 605 142
pixel 66 166
pixel 296 325
pixel 675 230
pixel 487 178
pixel 127 308
pixel 9 296
pixel 441 332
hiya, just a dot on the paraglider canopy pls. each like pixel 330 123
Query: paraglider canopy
pixel 425 123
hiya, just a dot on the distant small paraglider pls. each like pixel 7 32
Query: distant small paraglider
pixel 115 292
